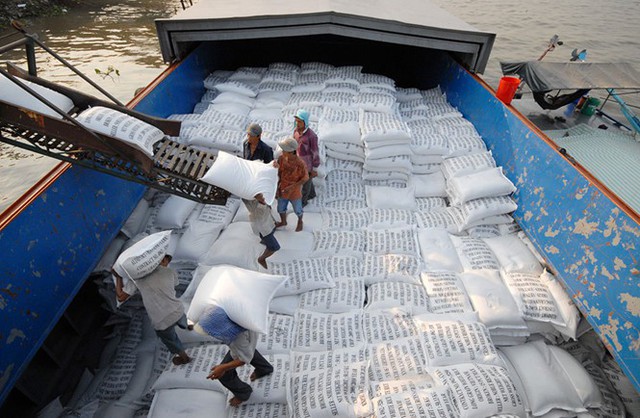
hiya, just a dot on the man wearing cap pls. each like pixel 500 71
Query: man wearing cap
pixel 292 174
pixel 254 148
pixel 307 151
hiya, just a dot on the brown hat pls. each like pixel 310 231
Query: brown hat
pixel 289 144
pixel 254 129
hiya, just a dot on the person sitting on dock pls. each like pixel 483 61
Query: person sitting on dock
pixel 292 174
pixel 242 350
pixel 254 148
pixel 163 307
pixel 308 151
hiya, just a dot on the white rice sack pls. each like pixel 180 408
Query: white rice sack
pixel 612 405
pixel 278 339
pixel 236 250
pixel 350 220
pixel 438 250
pixel 391 218
pixel 196 241
pixel 388 325
pixel 143 257
pixel 303 275
pixel 623 386
pixel 552 379
pixel 375 102
pixel 386 175
pixel 408 297
pixel 428 185
pixel 391 267
pixel 239 87
pixel 392 387
pixel 193 375
pixel 225 116
pixel 390 198
pixel 317 331
pixel 533 297
pixel 339 242
pixel 272 99
pixel 484 231
pixel 486 183
pixel 194 403
pixel 135 132
pixel 290 240
pixel 397 359
pixel 256 410
pixel 391 241
pixel 337 98
pixel 568 311
pixel 285 305
pixel 340 266
pixel 377 127
pixel 347 295
pixel 467 164
pixel 437 217
pixel 474 253
pixel 341 191
pixel 446 292
pixel 382 152
pixel 342 129
pixel 249 74
pixel 110 254
pixel 436 403
pixel 354 152
pixel 302 361
pixel 174 212
pixel 270 388
pixel 138 218
pixel 399 163
pixel 453 339
pixel 233 97
pixel 12 93
pixel 462 145
pixel 242 177
pixel 513 254
pixel 427 142
pixel 340 391
pixel 243 294
pixel 481 390
pixel 492 300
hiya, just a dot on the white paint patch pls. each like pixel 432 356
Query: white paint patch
pixel 633 303
pixel 15 333
pixel 585 228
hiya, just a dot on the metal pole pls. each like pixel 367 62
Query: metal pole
pixel 31 58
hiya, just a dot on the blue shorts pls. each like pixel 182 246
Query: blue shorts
pixel 296 204
pixel 270 241
pixel 170 338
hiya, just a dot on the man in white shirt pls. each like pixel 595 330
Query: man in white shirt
pixel 163 307
pixel 242 350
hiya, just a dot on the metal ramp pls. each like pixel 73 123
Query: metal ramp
pixel 175 168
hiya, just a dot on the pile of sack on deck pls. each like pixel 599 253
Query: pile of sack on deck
pixel 411 290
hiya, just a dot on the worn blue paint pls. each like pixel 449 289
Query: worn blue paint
pixel 47 253
pixel 590 243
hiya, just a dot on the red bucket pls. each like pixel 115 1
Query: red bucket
pixel 507 89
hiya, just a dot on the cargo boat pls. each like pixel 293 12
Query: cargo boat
pixel 57 232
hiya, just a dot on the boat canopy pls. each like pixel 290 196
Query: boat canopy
pixel 316 25
pixel 546 76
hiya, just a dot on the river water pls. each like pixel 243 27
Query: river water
pixel 121 34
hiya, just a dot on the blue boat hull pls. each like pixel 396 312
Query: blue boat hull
pixel 51 247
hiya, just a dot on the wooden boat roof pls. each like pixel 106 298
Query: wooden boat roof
pixel 415 23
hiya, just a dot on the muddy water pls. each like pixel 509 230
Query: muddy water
pixel 99 35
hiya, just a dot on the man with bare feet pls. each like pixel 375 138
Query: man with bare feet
pixel 242 350
pixel 292 174
pixel 163 307
pixel 263 225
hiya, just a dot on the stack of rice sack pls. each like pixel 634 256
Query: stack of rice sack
pixel 410 293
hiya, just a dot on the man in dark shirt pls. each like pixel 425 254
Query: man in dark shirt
pixel 254 148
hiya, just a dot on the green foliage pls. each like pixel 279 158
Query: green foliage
pixel 109 72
